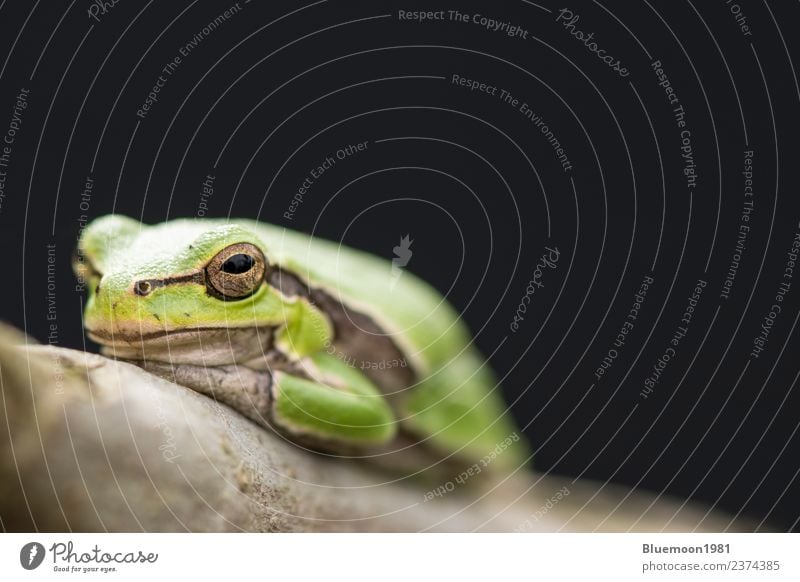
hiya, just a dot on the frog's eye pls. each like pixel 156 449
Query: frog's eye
pixel 236 271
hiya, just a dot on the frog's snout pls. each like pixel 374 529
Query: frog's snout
pixel 113 302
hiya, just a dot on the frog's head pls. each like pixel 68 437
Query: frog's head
pixel 185 291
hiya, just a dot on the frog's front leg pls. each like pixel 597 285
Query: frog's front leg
pixel 336 404
pixel 326 404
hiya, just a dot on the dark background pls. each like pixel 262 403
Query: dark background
pixel 279 86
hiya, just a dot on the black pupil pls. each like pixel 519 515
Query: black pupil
pixel 238 264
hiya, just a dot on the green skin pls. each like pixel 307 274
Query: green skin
pixel 275 355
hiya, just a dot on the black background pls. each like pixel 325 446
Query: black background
pixel 281 85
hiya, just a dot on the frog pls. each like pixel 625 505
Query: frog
pixel 333 348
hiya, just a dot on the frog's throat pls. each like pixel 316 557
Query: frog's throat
pixel 207 346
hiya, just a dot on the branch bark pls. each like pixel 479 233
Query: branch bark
pixel 91 444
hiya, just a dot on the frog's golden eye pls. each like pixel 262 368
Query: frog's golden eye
pixel 236 271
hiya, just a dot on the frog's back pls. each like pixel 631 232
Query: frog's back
pixel 417 317
pixel 457 400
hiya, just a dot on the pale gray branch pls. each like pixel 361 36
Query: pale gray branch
pixel 90 444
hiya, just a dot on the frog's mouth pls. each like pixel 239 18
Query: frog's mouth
pixel 209 346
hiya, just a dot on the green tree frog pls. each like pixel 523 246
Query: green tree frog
pixel 322 343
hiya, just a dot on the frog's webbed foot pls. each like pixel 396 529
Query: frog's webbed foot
pixel 243 389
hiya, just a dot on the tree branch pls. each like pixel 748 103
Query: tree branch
pixel 90 444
